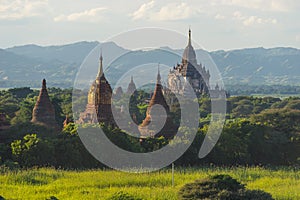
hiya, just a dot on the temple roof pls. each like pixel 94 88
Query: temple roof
pixel 131 86
pixel 189 52
pixel 43 111
pixel 157 98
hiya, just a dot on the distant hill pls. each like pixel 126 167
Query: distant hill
pixel 259 65
pixel 70 53
pixel 27 65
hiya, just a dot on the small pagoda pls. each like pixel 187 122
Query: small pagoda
pixel 147 128
pixel 131 87
pixel 43 112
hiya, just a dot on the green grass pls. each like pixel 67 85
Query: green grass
pixel 100 184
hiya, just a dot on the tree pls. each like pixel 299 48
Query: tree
pixel 32 151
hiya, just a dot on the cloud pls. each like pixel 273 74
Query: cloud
pixel 19 9
pixel 169 12
pixel 143 11
pixel 252 20
pixel 262 5
pixel 175 12
pixel 92 15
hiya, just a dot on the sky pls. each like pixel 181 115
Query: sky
pixel 216 24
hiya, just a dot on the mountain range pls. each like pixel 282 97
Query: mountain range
pixel 27 65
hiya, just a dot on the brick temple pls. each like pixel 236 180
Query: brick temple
pixel 43 112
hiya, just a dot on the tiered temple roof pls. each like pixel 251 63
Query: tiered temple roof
pixel 98 108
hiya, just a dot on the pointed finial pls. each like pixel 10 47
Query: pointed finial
pixel 131 78
pixel 44 84
pixel 190 36
pixel 101 58
pixel 100 72
pixel 158 69
pixel 158 74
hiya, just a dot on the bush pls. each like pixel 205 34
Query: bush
pixel 222 187
pixel 123 196
pixel 52 198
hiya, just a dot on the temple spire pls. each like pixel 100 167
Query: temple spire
pixel 44 84
pixel 43 112
pixel 158 79
pixel 149 129
pixel 100 72
pixel 131 87
pixel 190 36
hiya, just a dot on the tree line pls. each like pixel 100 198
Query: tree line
pixel 258 131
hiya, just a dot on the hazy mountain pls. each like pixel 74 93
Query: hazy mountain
pixel 259 65
pixel 70 53
pixel 27 65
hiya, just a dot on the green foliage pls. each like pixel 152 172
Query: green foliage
pixel 33 151
pixel 220 187
pixel 70 129
pixel 25 113
pixel 41 183
pixel 258 131
pixel 123 196
pixel 20 92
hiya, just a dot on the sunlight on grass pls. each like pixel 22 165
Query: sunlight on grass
pixel 101 184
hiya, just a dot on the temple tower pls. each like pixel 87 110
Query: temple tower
pixel 98 108
pixel 168 130
pixel 189 70
pixel 131 87
pixel 43 112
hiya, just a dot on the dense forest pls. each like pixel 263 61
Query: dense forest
pixel 258 131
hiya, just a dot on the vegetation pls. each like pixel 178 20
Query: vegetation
pixel 41 163
pixel 258 131
pixel 220 187
pixel 281 183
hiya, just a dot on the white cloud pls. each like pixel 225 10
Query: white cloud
pixel 169 12
pixel 263 5
pixel 252 20
pixel 175 12
pixel 143 11
pixel 92 15
pixel 19 9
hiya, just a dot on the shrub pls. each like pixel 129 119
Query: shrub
pixel 52 198
pixel 222 187
pixel 123 196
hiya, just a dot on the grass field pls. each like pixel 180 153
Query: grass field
pixel 98 184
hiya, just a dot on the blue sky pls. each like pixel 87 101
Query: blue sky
pixel 216 24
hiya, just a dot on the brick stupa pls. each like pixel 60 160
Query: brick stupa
pixel 43 112
pixel 146 128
